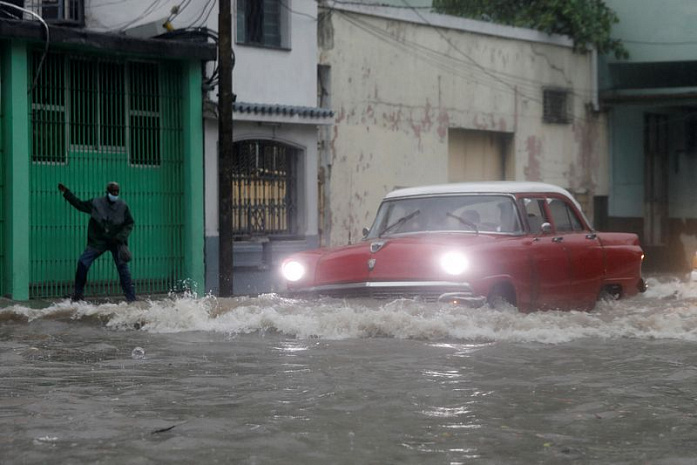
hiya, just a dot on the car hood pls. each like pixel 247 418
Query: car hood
pixel 400 257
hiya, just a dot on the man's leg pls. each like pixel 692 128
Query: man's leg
pixel 83 266
pixel 124 276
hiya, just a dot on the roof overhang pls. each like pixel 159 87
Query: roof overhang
pixel 282 114
pixel 74 38
pixel 648 95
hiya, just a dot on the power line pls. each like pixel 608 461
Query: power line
pixel 453 65
pixel 145 13
pixel 380 4
pixel 299 13
pixel 210 3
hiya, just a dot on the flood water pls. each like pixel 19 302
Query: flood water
pixel 268 380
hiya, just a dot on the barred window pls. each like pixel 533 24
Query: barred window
pixel 48 110
pixel 263 187
pixel 80 104
pixel 69 12
pixel 260 22
pixel 144 114
pixel 556 106
pixel 97 104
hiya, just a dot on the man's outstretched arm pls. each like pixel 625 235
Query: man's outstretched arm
pixel 82 205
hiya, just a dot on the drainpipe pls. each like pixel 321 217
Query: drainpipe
pixel 595 102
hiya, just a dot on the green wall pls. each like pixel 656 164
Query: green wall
pixel 42 235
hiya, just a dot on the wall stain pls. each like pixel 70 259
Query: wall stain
pixel 443 124
pixel 533 146
pixel 485 122
pixel 586 135
pixel 393 120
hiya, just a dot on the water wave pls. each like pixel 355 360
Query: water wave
pixel 668 310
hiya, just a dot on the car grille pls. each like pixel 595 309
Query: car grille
pixel 427 291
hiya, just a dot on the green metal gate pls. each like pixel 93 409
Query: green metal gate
pixel 92 121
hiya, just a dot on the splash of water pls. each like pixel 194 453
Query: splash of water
pixel 668 310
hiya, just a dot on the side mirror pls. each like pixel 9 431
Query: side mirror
pixel 365 232
pixel 546 228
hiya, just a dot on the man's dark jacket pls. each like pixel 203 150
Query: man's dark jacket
pixel 110 222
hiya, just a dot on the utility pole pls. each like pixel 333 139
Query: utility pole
pixel 225 148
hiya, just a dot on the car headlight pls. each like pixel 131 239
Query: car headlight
pixel 293 270
pixel 454 263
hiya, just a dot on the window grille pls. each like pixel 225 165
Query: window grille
pixel 48 110
pixel 259 22
pixel 556 106
pixel 145 114
pixel 83 105
pixel 263 186
pixel 63 12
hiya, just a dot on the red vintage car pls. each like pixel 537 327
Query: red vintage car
pixel 525 243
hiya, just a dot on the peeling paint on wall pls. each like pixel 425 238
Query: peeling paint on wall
pixel 533 146
pixel 399 105
pixel 586 136
pixel 443 124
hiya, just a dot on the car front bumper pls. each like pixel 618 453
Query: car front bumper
pixel 442 291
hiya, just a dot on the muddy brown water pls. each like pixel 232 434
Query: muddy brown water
pixel 268 380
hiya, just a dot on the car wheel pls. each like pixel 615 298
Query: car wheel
pixel 611 292
pixel 501 296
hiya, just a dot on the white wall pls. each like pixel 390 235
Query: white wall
pixel 117 16
pixel 401 79
pixel 287 76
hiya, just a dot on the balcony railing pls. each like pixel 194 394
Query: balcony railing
pixel 60 12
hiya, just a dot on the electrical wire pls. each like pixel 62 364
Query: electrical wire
pixel 205 20
pixel 210 3
pixel 284 4
pixel 453 65
pixel 48 40
pixel 176 10
pixel 512 80
pixel 379 4
pixel 196 32
pixel 155 4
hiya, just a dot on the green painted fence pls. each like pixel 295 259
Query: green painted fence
pixel 92 121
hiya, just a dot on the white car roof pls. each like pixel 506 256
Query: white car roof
pixel 488 187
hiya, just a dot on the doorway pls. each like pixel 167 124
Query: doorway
pixel 656 149
pixel 479 156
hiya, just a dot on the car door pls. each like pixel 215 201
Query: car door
pixel 549 261
pixel 584 250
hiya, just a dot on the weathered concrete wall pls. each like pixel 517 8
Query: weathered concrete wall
pixel 402 79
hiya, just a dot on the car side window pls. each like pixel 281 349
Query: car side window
pixel 535 213
pixel 564 217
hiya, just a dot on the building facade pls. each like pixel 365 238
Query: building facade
pixel 421 98
pixel 275 130
pixel 651 102
pixel 82 106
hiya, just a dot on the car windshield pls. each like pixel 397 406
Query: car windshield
pixel 469 213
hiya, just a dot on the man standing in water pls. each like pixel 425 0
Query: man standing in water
pixel 108 229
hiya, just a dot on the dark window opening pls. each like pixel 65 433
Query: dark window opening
pixel 67 12
pixel 556 106
pixel 144 119
pixel 259 22
pixel 264 189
